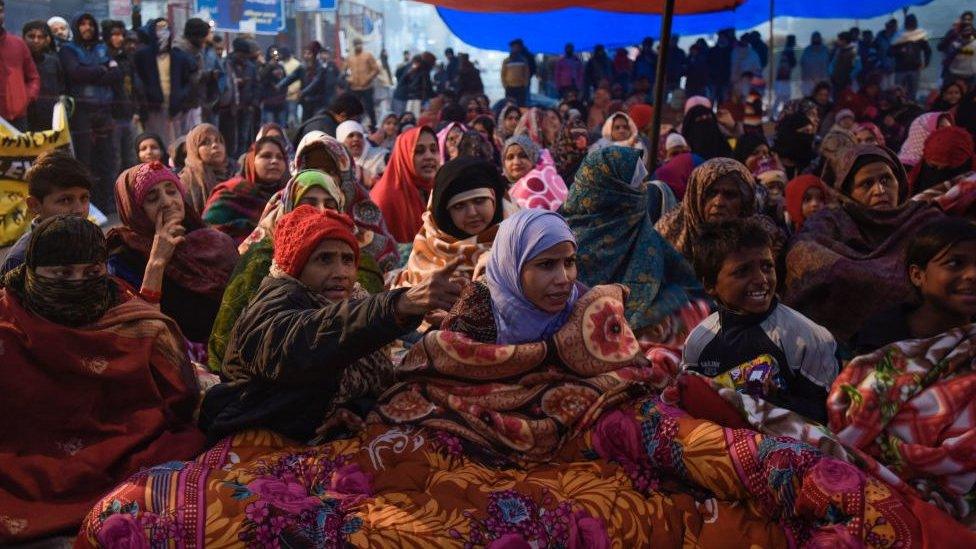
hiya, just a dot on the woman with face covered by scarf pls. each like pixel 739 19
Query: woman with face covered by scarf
pixel 856 253
pixel 793 143
pixel 235 206
pixel 719 190
pixel 948 152
pixel 163 248
pixel 75 339
pixel 701 131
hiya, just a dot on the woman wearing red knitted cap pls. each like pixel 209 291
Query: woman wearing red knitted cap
pixel 948 152
pixel 164 249
pixel 305 358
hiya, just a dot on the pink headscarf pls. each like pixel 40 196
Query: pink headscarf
pixel 442 138
pixel 920 130
pixel 542 188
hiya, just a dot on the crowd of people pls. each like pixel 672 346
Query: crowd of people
pixel 466 324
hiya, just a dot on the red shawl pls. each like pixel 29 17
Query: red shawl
pixel 398 192
pixel 202 263
pixel 85 408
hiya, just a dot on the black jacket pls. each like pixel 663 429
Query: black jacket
pixel 89 78
pixel 181 69
pixel 286 355
pixel 52 86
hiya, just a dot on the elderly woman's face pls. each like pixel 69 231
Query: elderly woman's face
pixel 212 151
pixel 875 186
pixel 548 278
pixel 164 204
pixel 330 270
pixel 74 272
pixel 723 200
pixel 620 130
pixel 517 163
pixel 426 157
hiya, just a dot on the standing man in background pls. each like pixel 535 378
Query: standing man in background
pixel 19 82
pixel 363 69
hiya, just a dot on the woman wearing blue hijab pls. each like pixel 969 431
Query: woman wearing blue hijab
pixel 530 283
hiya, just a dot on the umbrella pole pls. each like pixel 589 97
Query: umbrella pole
pixel 659 76
pixel 772 57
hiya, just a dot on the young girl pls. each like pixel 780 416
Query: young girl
pixel 805 196
pixel 941 265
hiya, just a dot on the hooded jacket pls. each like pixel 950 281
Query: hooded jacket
pixel 89 79
pixel 181 69
pixel 126 90
pixel 19 82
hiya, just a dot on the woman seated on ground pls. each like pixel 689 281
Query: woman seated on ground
pixel 318 151
pixel 700 128
pixel 371 160
pixel 918 133
pixel 150 148
pixel 236 205
pixel 405 187
pixel 530 171
pixel 164 249
pixel 386 133
pixel 96 383
pixel 530 283
pixel 920 426
pixel 508 120
pixel 948 153
pixel 311 187
pixel 620 130
pixel 465 209
pixel 305 358
pixel 206 165
pixel 612 210
pixel 855 253
pixel 718 190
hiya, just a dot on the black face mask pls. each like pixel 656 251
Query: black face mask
pixel 72 303
pixel 798 147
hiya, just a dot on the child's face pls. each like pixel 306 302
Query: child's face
pixel 70 201
pixel 949 280
pixel 813 201
pixel 846 122
pixel 747 281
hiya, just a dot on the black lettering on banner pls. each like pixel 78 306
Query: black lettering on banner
pixel 30 139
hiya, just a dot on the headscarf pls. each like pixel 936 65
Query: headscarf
pixel 951 147
pixel 920 130
pixel 833 149
pixel 746 145
pixel 874 129
pixel 372 160
pixel 675 173
pixel 609 214
pixel 500 125
pixel 632 141
pixel 235 206
pixel 541 187
pixel 700 128
pixel 860 156
pixel 400 193
pixel 198 178
pixel 440 241
pixel 683 226
pixel 63 240
pixel 531 125
pixel 795 190
pixel 791 144
pixel 300 231
pixel 159 141
pixel 266 128
pixel 570 149
pixel 642 114
pixel 375 238
pixel 202 263
pixel 697 101
pixel 520 238
pixel 442 137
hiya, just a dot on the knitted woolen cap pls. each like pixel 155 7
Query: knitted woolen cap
pixel 299 232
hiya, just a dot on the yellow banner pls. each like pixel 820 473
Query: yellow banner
pixel 17 154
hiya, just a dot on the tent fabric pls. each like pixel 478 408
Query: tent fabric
pixel 548 32
pixel 621 6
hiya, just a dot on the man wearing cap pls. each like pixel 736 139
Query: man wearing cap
pixel 363 69
pixel 306 358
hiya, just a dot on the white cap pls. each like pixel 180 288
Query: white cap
pixel 675 140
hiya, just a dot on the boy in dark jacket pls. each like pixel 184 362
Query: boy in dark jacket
pixel 91 75
pixel 40 41
pixel 754 344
